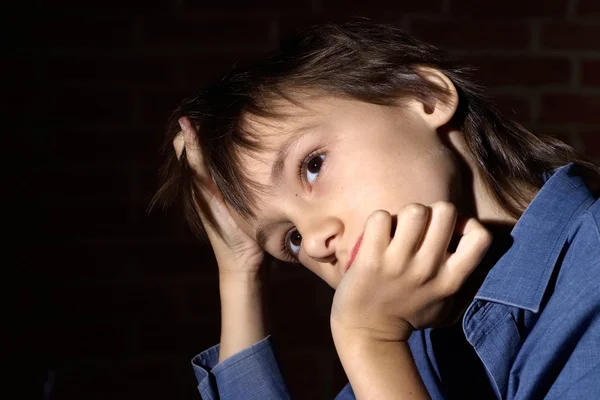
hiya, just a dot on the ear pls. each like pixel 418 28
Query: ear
pixel 435 111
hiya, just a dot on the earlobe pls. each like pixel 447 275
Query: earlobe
pixel 438 111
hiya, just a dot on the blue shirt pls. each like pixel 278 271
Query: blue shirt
pixel 531 332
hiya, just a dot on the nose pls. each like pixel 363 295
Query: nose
pixel 320 241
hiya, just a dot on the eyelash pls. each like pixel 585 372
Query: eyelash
pixel 284 249
pixel 301 168
pixel 303 164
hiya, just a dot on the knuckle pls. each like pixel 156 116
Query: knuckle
pixel 444 207
pixel 485 237
pixel 451 286
pixel 416 210
pixel 379 216
pixel 422 278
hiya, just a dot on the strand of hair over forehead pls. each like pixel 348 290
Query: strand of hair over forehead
pixel 332 59
pixel 369 62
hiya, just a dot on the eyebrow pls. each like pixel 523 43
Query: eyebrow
pixel 277 173
pixel 284 151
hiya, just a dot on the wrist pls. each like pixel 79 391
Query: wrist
pixel 351 347
pixel 240 285
pixel 243 312
pixel 398 332
pixel 240 277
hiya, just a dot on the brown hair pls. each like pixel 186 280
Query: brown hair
pixel 362 60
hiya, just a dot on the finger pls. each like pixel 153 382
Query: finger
pixel 195 157
pixel 377 235
pixel 472 247
pixel 412 224
pixel 193 151
pixel 179 144
pixel 439 233
pixel 208 197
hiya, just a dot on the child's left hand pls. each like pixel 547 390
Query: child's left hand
pixel 407 282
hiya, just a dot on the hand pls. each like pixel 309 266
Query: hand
pixel 236 251
pixel 407 282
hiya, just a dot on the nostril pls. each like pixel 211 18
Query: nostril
pixel 328 241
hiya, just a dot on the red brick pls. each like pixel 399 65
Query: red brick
pixel 86 105
pixel 177 338
pixel 591 143
pixel 590 72
pixel 112 71
pixel 121 380
pixel 381 7
pixel 200 301
pixel 576 108
pixel 197 72
pixel 110 222
pixel 229 35
pixel 87 221
pixel 148 181
pixel 172 259
pixel 92 261
pixel 570 36
pixel 85 32
pixel 509 8
pixel 521 70
pixel 156 106
pixel 77 340
pixel 76 186
pixel 120 6
pixel 157 225
pixel 588 8
pixel 117 147
pixel 514 107
pixel 246 6
pixel 114 304
pixel 288 24
pixel 473 34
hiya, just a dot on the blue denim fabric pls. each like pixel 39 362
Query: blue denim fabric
pixel 532 331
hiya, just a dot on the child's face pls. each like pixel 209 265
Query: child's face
pixel 362 157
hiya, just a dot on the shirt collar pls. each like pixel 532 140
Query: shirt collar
pixel 521 275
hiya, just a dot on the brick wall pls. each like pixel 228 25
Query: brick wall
pixel 130 298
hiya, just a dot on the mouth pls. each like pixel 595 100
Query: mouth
pixel 353 253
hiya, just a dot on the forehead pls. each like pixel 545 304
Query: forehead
pixel 289 117
pixel 286 120
pixel 278 131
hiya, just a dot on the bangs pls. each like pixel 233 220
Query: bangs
pixel 248 139
pixel 360 60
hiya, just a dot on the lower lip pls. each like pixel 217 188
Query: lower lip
pixel 354 251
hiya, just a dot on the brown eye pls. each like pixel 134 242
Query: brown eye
pixel 294 241
pixel 313 167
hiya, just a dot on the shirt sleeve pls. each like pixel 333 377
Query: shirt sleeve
pixel 253 373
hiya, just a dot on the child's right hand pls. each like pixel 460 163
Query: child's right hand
pixel 236 252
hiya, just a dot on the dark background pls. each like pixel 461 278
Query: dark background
pixel 126 299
